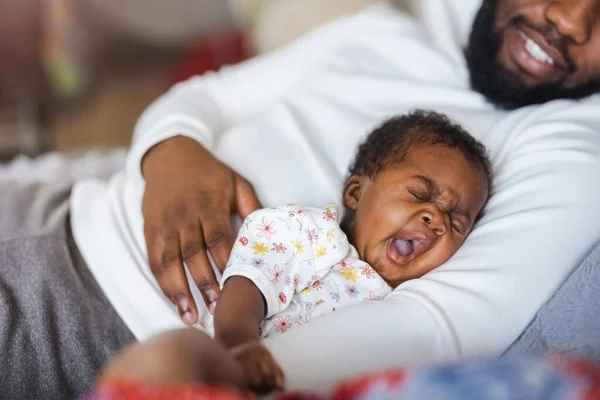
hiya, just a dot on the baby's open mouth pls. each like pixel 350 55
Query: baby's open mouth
pixel 404 246
pixel 404 250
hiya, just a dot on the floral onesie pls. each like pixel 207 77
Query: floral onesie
pixel 303 264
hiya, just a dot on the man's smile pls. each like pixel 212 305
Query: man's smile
pixel 532 54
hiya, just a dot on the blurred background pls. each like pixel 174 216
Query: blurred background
pixel 76 74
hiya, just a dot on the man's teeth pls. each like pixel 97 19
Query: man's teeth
pixel 536 51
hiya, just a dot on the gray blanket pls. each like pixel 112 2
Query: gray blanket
pixel 56 326
pixel 570 321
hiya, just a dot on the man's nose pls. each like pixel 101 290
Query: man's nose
pixel 434 219
pixel 574 19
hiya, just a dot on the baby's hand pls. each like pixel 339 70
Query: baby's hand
pixel 261 371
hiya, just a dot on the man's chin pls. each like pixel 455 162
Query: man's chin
pixel 508 91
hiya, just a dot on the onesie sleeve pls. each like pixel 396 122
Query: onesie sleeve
pixel 284 250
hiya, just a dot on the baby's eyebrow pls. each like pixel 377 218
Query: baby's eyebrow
pixel 432 187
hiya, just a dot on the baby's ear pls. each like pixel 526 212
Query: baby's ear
pixel 352 191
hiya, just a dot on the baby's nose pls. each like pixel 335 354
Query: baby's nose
pixel 435 221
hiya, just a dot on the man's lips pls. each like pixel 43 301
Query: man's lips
pixel 407 247
pixel 560 59
pixel 533 54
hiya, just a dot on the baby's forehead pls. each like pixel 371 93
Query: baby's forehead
pixel 430 157
pixel 444 169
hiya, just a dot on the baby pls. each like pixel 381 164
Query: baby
pixel 416 187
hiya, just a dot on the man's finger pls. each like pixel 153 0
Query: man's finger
pixel 216 231
pixel 246 201
pixel 193 252
pixel 174 272
pixel 158 244
pixel 154 248
pixel 167 264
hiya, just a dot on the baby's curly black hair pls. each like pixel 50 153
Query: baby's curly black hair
pixel 389 143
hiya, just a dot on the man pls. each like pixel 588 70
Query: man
pixel 289 122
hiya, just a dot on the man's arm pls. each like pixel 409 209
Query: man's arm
pixel 205 106
pixel 543 218
pixel 189 195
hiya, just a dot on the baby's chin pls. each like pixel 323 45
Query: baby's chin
pixel 393 275
pixel 379 259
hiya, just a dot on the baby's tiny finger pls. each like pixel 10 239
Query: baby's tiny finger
pixel 255 378
pixel 266 369
pixel 267 373
pixel 279 379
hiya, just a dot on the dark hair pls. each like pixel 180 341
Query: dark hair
pixel 390 142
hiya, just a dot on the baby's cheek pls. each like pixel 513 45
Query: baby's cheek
pixel 426 266
pixel 437 256
pixel 447 249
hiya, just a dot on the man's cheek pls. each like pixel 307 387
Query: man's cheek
pixel 588 63
pixel 505 11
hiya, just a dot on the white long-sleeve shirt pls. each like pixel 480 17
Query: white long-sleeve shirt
pixel 290 122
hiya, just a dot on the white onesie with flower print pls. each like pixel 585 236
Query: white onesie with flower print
pixel 303 264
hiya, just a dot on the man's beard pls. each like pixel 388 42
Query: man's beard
pixel 501 87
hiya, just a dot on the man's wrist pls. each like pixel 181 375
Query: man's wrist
pixel 159 152
pixel 151 153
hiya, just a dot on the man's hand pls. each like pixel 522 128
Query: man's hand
pixel 261 371
pixel 187 207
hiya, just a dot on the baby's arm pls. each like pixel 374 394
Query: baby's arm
pixel 248 295
pixel 238 317
pixel 278 251
pixel 239 312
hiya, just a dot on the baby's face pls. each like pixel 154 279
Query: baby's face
pixel 416 214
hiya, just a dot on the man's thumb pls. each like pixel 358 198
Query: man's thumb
pixel 246 201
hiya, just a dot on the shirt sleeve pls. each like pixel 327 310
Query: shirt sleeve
pixel 541 221
pixel 205 106
pixel 286 249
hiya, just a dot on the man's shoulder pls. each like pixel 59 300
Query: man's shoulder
pixel 566 129
pixel 561 110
